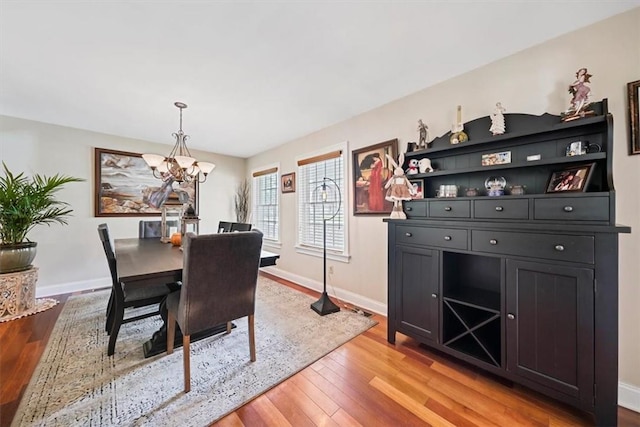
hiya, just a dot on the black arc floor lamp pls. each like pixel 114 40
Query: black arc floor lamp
pixel 328 195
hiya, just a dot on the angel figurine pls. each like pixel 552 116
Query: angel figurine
pixel 497 120
pixel 398 188
pixel 580 100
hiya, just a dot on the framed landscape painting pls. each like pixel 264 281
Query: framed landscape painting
pixel 125 186
pixel 371 171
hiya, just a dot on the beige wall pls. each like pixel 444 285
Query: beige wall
pixel 70 257
pixel 533 81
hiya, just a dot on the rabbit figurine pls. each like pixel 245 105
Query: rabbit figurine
pixel 398 188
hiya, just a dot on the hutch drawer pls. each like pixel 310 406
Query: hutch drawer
pixel 559 247
pixel 450 238
pixel 501 209
pixel 415 209
pixel 572 209
pixel 450 208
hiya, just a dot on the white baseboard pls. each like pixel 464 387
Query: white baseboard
pixel 346 296
pixel 66 288
pixel 629 396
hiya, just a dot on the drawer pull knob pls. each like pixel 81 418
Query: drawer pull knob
pixel 447 238
pixel 447 208
pixel 499 208
pixel 434 295
pixel 409 208
pixel 408 234
pixel 568 209
pixel 511 316
pixel 559 248
pixel 493 241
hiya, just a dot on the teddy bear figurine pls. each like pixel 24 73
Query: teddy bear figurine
pixel 413 167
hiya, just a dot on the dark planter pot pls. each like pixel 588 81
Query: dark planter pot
pixel 16 257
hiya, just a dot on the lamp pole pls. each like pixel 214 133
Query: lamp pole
pixel 324 305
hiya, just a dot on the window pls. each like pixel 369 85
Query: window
pixel 265 203
pixel 311 174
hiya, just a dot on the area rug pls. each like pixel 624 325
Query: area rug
pixel 76 383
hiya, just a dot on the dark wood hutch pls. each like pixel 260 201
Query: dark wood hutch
pixel 524 286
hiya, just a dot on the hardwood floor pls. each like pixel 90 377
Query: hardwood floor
pixel 365 382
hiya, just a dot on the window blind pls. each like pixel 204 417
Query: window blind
pixel 310 206
pixel 265 203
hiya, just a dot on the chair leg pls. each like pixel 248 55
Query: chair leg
pixel 118 315
pixel 228 327
pixel 107 324
pixel 252 339
pixel 186 339
pixel 171 331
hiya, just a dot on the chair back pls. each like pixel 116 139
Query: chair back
pixel 103 232
pixel 224 227
pixel 153 229
pixel 219 278
pixel 239 226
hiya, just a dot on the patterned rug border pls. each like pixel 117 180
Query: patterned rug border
pixel 41 305
pixel 67 413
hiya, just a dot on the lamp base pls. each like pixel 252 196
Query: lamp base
pixel 324 305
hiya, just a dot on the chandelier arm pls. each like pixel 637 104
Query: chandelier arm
pixel 184 150
pixel 156 173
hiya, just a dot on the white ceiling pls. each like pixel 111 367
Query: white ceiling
pixel 255 74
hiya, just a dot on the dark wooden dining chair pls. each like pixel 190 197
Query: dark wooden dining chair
pixel 219 278
pixel 224 227
pixel 240 226
pixel 123 295
pixel 153 229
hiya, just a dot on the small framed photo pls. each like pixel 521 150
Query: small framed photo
pixel 418 188
pixel 500 158
pixel 574 178
pixel 288 182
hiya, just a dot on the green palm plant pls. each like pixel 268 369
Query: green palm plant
pixel 25 203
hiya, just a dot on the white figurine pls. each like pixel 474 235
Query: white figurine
pixel 413 167
pixel 398 188
pixel 424 165
pixel 497 120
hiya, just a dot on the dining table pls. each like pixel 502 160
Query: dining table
pixel 143 259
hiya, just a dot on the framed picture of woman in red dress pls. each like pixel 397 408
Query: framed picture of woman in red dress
pixel 371 170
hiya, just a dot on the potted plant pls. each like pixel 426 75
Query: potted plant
pixel 25 203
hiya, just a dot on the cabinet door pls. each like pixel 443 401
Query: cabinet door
pixel 417 291
pixel 550 326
